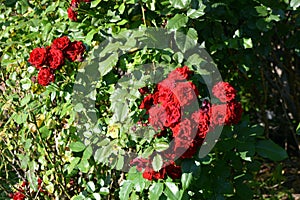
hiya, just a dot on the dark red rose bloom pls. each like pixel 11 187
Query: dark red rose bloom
pixel 74 3
pixel 173 114
pixel 185 129
pixel 233 113
pixel 72 14
pixel 186 93
pixel 38 57
pixel 218 114
pixel 45 76
pixel 147 102
pixel 87 1
pixel 150 174
pixel 202 119
pixel 173 171
pixel 61 43
pixel 55 58
pixel 24 184
pixel 224 91
pixel 165 96
pixel 157 117
pixel 140 163
pixel 185 147
pixel 180 73
pixel 75 51
pixel 168 155
pixel 167 83
pixel 144 90
pixel 18 196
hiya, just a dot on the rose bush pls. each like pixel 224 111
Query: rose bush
pixel 40 126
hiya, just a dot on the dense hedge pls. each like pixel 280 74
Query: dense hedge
pixel 254 45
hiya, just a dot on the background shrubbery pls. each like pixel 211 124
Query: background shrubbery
pixel 255 45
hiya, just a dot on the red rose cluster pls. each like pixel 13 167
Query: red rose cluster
pixel 230 111
pixel 25 186
pixel 48 59
pixel 72 14
pixel 171 107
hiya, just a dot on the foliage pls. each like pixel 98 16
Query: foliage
pixel 253 43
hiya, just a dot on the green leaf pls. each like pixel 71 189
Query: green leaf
pixel 295 4
pixel 20 118
pixel 194 14
pixel 84 166
pixel 95 3
pixel 25 100
pixel 89 37
pixel 121 111
pixel 26 83
pixel 186 179
pixel 161 146
pixel 262 11
pixel 125 190
pixel 178 21
pixel 102 154
pixel 104 191
pixel 298 129
pixel 91 186
pixel 247 42
pixel 155 190
pixel 105 66
pixel 188 41
pixel 180 4
pixel 172 191
pixel 88 152
pixel 45 132
pixel 77 146
pixel 157 162
pixel 97 196
pixel 268 149
pixel 120 162
pixel 73 164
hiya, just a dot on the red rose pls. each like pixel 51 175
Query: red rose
pixel 165 96
pixel 233 113
pixel 45 76
pixel 75 51
pixel 173 114
pixel 38 57
pixel 202 119
pixel 147 102
pixel 150 174
pixel 186 93
pixel 180 73
pixel 218 114
pixel 157 117
pixel 224 91
pixel 185 147
pixel 55 58
pixel 72 14
pixel 144 90
pixel 173 171
pixel 18 196
pixel 185 129
pixel 166 84
pixel 61 43
pixel 140 163
pixel 74 3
